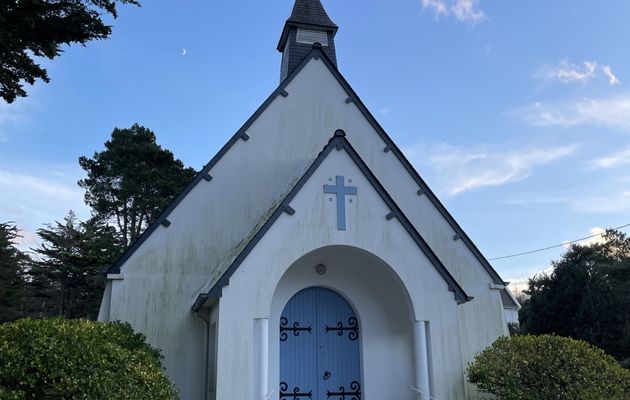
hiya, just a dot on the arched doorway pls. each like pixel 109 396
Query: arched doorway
pixel 319 347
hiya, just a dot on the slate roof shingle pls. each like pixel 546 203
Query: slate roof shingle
pixel 310 12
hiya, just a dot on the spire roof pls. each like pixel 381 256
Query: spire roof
pixel 307 14
pixel 311 12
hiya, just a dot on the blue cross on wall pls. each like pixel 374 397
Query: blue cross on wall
pixel 341 190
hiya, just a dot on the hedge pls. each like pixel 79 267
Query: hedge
pixel 548 367
pixel 78 359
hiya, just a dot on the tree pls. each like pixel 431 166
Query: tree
pixel 587 296
pixel 548 367
pixel 12 265
pixel 132 181
pixel 67 279
pixel 77 359
pixel 38 28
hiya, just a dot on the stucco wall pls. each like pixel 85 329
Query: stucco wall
pixel 163 277
pixel 250 293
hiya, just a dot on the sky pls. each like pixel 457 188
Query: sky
pixel 517 114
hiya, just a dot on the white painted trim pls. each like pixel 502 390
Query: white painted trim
pixel 494 286
pixel 261 358
pixel 421 360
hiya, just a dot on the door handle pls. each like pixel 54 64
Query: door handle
pixel 326 376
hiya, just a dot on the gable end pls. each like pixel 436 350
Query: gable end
pixel 424 189
pixel 338 142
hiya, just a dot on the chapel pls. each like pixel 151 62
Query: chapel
pixel 309 260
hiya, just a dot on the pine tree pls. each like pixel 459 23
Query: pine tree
pixel 67 278
pixel 12 265
pixel 132 181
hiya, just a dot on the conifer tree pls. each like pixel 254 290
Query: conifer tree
pixel 67 277
pixel 587 296
pixel 12 265
pixel 31 30
pixel 132 181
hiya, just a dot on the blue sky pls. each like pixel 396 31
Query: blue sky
pixel 516 113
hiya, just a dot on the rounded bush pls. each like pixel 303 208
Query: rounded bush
pixel 78 359
pixel 548 367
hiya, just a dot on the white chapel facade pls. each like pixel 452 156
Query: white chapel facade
pixel 308 259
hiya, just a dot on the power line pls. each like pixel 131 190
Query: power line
pixel 555 246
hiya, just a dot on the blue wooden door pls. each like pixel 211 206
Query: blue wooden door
pixel 319 348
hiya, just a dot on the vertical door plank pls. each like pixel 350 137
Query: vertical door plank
pixel 339 346
pixel 298 343
pixel 319 348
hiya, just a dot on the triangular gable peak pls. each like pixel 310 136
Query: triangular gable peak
pixel 338 142
pixel 423 188
pixel 317 54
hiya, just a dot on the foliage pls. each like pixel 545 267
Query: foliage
pixel 67 279
pixel 78 359
pixel 12 264
pixel 38 28
pixel 132 181
pixel 548 367
pixel 129 183
pixel 587 296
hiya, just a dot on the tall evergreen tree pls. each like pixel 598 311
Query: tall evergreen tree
pixel 12 265
pixel 132 181
pixel 67 277
pixel 33 29
pixel 587 296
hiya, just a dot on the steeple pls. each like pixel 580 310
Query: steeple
pixel 308 24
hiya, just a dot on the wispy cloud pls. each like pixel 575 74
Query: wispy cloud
pixel 462 169
pixel 611 112
pixel 9 114
pixel 39 185
pixel 612 79
pixel 32 199
pixel 467 11
pixel 604 202
pixel 16 114
pixel 567 72
pixel 617 159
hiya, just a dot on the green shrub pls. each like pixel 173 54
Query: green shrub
pixel 548 367
pixel 78 359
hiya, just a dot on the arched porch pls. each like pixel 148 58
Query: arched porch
pixel 394 354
